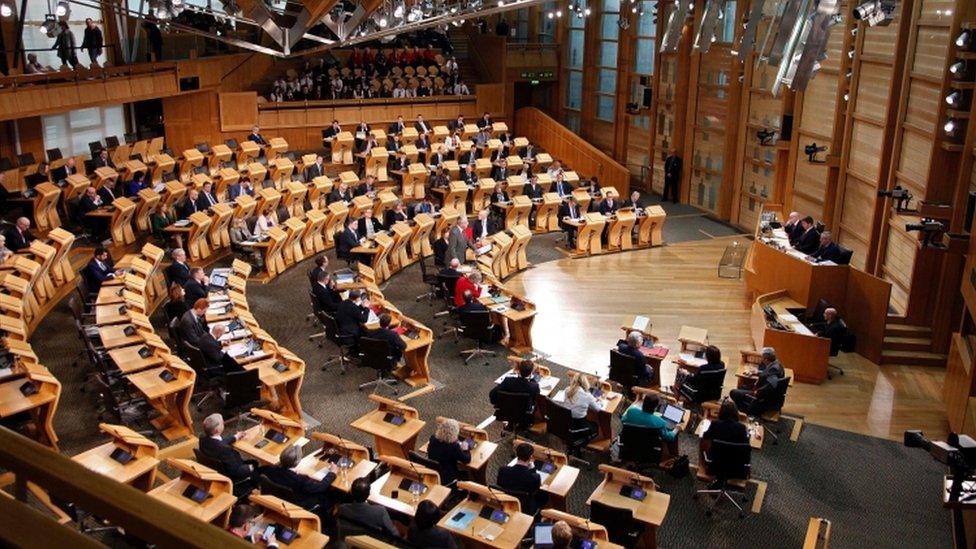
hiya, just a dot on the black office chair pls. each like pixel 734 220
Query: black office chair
pixel 559 423
pixel 446 285
pixel 431 280
pixel 272 488
pixel 54 154
pixel 376 354
pixel 640 446
pixel 623 372
pixel 730 464
pixel 527 500
pixel 477 325
pixel 767 404
pixel 702 387
pixel 844 256
pixel 210 375
pixel 344 343
pixel 242 391
pixel 514 410
pixel 241 487
pixel 621 526
pixel 130 137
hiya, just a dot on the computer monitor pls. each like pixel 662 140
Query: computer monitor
pixel 111 142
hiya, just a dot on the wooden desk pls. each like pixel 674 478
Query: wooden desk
pixel 215 509
pixel 334 447
pixel 512 532
pixel 589 230
pixel 799 348
pixel 547 213
pixel 342 148
pixel 281 388
pixel 753 428
pixel 270 452
pixel 620 229
pixel 582 528
pixel 140 472
pixel 171 399
pixel 651 511
pixel 420 246
pixel 276 511
pixel 650 227
pixel 381 492
pixel 41 405
pixel 390 439
pixel 414 181
pixel 128 360
pixel 609 403
pixel 560 481
pixel 517 211
pixel 519 322
pixel 480 454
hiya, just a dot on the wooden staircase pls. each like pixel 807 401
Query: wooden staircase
pixel 908 345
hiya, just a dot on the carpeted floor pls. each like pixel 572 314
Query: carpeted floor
pixel 875 491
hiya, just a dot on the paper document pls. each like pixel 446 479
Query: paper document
pixel 786 317
pixel 801 329
pixel 640 322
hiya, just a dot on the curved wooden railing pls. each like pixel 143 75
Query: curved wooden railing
pixel 565 145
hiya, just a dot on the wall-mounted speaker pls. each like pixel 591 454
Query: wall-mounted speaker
pixel 190 83
pixel 786 129
pixel 646 102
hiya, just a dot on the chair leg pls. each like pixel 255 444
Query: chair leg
pixel 380 381
pixel 478 351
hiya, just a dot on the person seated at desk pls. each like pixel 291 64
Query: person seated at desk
pixel 99 269
pixel 327 298
pixel 384 333
pixel 397 127
pixel 833 328
pixel 315 169
pixel 138 183
pixel 341 192
pixel 439 157
pixel 360 512
pixel 207 199
pixel 592 186
pixel 498 194
pixel 713 362
pixel 352 314
pixel 367 188
pixel 96 225
pixel 19 236
pixel 107 193
pixel 349 239
pixel 425 206
pixel 102 160
pixel 321 263
pixel 423 147
pixel 793 228
pixel 769 367
pixel 827 250
pixel 42 175
pixel 178 271
pixel 367 225
pixel 562 535
pixel 440 249
pixel 522 477
pixel 469 176
pixel 399 164
pixel 308 492
pixel 213 353
pixel 256 136
pixel 440 179
pixel 242 522
pixel 580 400
pixel 196 287
pixel 642 414
pixel 240 237
pixel 456 124
pixel 522 383
pixel 193 323
pixel 422 126
pixel 218 447
pixel 485 121
pixel 533 190
pixel 396 214
pixel 364 147
pixel 727 428
pixel 265 220
pixel 68 168
pixel 176 307
pixel 241 187
pixel 500 332
pixel 501 173
pixel 361 133
pixel 634 202
pixel 451 270
pixel 631 347
pixel 561 187
pixel 809 241
pixel 445 448
pixel 470 283
pixel 569 210
pixel 483 227
pixel 609 205
pixel 424 531
pixel 189 205
pixel 329 134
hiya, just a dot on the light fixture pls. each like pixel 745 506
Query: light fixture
pixel 958 100
pixel 501 3
pixel 812 150
pixel 383 22
pixel 876 12
pixel 63 9
pixel 398 12
pixel 954 98
pixel 587 12
pixel 951 127
pixel 50 25
pixel 551 15
pixel 6 8
pixel 965 39
pixel 962 70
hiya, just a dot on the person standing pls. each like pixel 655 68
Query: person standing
pixel 672 176
pixel 92 41
pixel 65 45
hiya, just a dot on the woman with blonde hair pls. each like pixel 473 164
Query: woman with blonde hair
pixel 448 451
pixel 580 400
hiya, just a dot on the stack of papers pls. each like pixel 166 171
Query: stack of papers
pixel 499 309
pixel 235 334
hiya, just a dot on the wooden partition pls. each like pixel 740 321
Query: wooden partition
pixel 709 136
pixel 573 150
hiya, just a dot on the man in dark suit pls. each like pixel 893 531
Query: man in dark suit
pixel 456 124
pixel 107 193
pixel 89 202
pixel 421 125
pixel 522 383
pixel 326 296
pixel 609 204
pixel 397 127
pixel 193 323
pixel 360 512
pixel 62 173
pixel 384 333
pixel 102 160
pixel 827 251
pixel 569 209
pixel 315 169
pixel 341 192
pixel 500 173
pixel 770 372
pixel 19 236
pixel 218 447
pixel 178 272
pixel 437 158
pixel 347 240
pixel 207 199
pixel 239 188
pixel 672 176
pixel 522 477
pixel 793 228
pixel 99 269
pixel 833 328
pixel 367 188
pixel 469 176
pixel 308 492
pixel 368 225
pixel 321 262
pixel 38 177
pixel 256 136
pixel 631 347
pixel 213 351
pixel 352 314
pixel 634 201
pixel 482 227
pixel 189 205
pixel 485 121
pixel 399 163
pixel 561 187
pixel 533 190
pixel 196 287
pixel 809 241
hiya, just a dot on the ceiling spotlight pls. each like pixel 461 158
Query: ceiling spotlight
pixel 876 12
pixel 501 3
pixel 954 98
pixel 50 25
pixel 63 9
pixel 454 9
pixel 551 15
pixel 559 13
pixel 383 22
pixel 965 39
pixel 847 97
pixel 398 12
pixel 6 9
pixel 951 127
pixel 958 100
pixel 587 12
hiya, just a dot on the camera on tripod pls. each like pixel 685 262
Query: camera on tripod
pixel 930 229
pixel 902 198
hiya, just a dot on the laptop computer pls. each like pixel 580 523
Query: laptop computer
pixel 672 415
pixel 218 281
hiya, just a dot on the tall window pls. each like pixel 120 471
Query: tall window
pixel 607 60
pixel 73 130
pixel 574 71
pixel 521 26
pixel 643 50
pixel 547 25
pixel 36 39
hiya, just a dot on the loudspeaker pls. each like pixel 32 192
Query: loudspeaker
pixel 190 83
pixel 786 129
pixel 647 98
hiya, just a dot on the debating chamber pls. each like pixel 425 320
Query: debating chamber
pixel 488 274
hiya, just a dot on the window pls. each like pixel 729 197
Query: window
pixel 726 30
pixel 607 60
pixel 574 65
pixel 521 26
pixel 604 107
pixel 547 25
pixel 72 131
pixel 574 90
pixel 35 39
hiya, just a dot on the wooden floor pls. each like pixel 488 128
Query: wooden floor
pixel 582 303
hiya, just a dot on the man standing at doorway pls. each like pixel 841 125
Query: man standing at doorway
pixel 672 176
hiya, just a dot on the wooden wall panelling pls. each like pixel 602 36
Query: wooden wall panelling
pixel 192 118
pixel 239 111
pixel 710 135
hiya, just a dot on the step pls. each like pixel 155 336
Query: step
pixel 907 330
pixel 898 343
pixel 912 358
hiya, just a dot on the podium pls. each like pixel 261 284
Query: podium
pixel 517 259
pixel 501 248
pixel 74 186
pixel 312 241
pixel 589 229
pixel 61 270
pixel 133 169
pixel 468 131
pixel 519 143
pixel 257 173
pixel 196 241
pixel 293 195
pixel 121 225
pixel 170 399
pixel 140 472
pixel 276 511
pixel 198 180
pixel 620 229
pixel 482 168
pixel 456 196
pixel 514 184
pixel 220 154
pixel 274 262
pixel 360 204
pixel 542 161
pixel 104 174
pixel 517 212
pixel 409 135
pixel 244 206
pixel 276 146
pixel 651 228
pixel 411 152
pixel 220 225
pixel 420 239
pixel 257 445
pixel 342 148
pixel 280 170
pixel 335 221
pixel 162 164
pixel 514 162
pixel 414 182
pixel 247 152
pixel 44 254
pixel 482 500
pixel 385 200
pixel 440 133
pixel 547 213
pixel 268 200
pixel 390 439
pixel 148 203
pixel 215 509
pixel 397 256
pixel 318 191
pixel 379 247
pixel 173 192
pixel 445 219
pixel 380 136
pixel 650 511
pixel 481 198
pixel 224 178
pixel 46 207
pixel 376 163
pixel 292 247
pixel 453 169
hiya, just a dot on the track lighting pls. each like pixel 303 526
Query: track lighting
pixel 6 8
pixel 958 100
pixel 951 127
pixel 63 9
pixel 965 39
